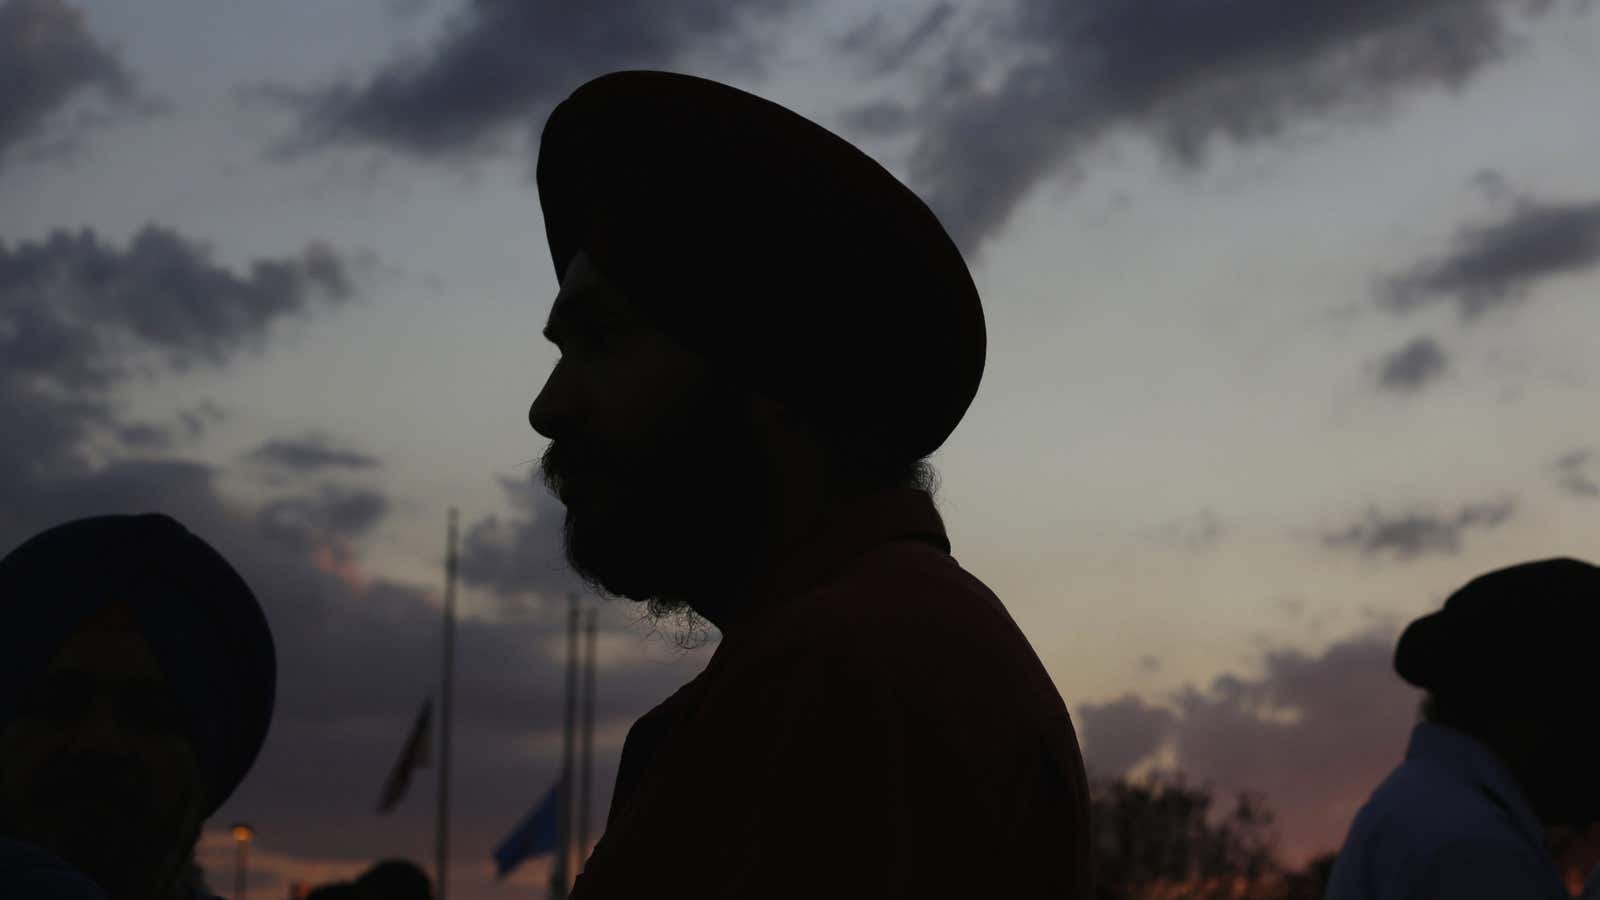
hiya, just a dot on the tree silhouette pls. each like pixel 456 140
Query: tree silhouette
pixel 1162 838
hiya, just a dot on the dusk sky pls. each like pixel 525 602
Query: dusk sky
pixel 1291 313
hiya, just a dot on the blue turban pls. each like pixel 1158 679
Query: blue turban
pixel 201 620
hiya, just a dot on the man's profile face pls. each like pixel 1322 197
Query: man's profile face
pixel 98 767
pixel 650 452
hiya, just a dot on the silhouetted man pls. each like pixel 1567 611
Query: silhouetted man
pixel 392 879
pixel 763 335
pixel 136 691
pixel 1506 745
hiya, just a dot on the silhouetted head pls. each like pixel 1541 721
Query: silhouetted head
pixel 396 879
pixel 1509 660
pixel 136 691
pixel 339 890
pixel 750 309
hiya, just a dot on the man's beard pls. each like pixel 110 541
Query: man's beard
pixel 109 823
pixel 689 513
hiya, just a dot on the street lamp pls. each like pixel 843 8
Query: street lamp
pixel 242 836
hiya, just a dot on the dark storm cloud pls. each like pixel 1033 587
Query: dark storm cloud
pixel 1409 535
pixel 1048 79
pixel 308 454
pixel 501 65
pixel 1342 715
pixel 1495 265
pixel 47 59
pixel 520 556
pixel 1413 366
pixel 1573 473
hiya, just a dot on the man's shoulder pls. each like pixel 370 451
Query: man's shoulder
pixel 905 585
pixel 1433 805
pixel 1421 813
pixel 909 613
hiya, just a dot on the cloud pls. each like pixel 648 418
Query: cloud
pixel 357 650
pixel 71 304
pixel 1023 101
pixel 1119 735
pixel 79 318
pixel 356 658
pixel 334 510
pixel 1496 265
pixel 48 58
pixel 308 454
pixel 1313 733
pixel 1413 366
pixel 1573 476
pixel 1199 532
pixel 499 66
pixel 872 39
pixel 202 416
pixel 1409 535
pixel 158 437
pixel 520 557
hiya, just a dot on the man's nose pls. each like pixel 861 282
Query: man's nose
pixel 554 403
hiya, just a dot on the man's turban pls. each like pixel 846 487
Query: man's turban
pixel 1523 635
pixel 199 617
pixel 773 247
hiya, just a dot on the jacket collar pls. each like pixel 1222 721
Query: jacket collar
pixel 1469 760
pixel 851 530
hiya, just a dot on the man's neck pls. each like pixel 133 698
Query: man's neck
pixel 797 513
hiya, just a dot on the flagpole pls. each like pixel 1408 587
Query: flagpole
pixel 559 877
pixel 442 816
pixel 587 758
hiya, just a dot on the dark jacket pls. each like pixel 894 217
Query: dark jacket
pixel 876 726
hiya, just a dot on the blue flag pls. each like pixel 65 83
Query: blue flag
pixel 537 834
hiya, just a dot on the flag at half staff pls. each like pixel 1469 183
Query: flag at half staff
pixel 413 756
pixel 537 834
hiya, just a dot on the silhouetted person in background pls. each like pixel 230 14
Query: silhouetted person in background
pixel 339 890
pixel 392 879
pixel 136 689
pixel 396 879
pixel 1506 746
pixel 763 336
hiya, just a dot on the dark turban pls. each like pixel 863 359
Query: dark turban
pixel 1522 635
pixel 201 620
pixel 768 244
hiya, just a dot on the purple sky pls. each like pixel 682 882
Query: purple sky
pixel 1289 311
